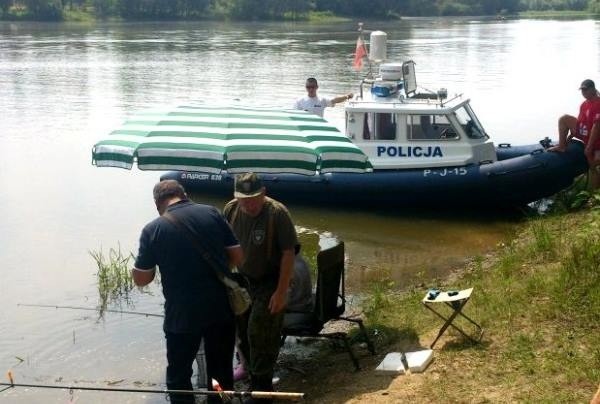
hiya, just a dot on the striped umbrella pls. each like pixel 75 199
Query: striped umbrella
pixel 210 140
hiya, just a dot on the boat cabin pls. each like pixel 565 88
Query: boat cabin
pixel 399 128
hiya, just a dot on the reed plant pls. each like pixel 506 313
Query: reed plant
pixel 544 243
pixel 113 277
pixel 378 300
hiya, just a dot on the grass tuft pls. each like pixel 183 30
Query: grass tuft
pixel 114 277
pixel 378 302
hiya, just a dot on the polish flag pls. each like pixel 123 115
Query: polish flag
pixel 361 51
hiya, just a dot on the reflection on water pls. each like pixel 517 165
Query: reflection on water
pixel 410 246
pixel 64 86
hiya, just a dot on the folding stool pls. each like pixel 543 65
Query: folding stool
pixel 456 301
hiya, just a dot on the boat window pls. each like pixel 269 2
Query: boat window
pixel 430 127
pixel 470 123
pixel 366 128
pixel 379 126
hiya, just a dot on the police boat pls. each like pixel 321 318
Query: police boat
pixel 425 149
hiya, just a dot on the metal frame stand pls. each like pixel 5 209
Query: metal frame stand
pixel 456 303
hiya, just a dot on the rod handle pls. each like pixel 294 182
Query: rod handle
pixel 277 394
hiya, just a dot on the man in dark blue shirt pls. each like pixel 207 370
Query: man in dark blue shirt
pixel 196 303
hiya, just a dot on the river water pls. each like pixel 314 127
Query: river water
pixel 62 87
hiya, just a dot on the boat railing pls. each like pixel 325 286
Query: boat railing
pixel 438 98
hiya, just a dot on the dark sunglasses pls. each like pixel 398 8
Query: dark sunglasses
pixel 311 86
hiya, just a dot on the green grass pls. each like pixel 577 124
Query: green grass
pixel 325 17
pixel 556 14
pixel 78 15
pixel 378 300
pixel 538 300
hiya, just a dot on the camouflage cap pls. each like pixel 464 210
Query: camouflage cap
pixel 247 185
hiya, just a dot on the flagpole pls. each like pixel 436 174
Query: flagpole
pixel 362 39
pixel 360 52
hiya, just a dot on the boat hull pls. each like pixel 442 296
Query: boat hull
pixel 512 181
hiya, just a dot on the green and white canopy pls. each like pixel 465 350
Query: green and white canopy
pixel 210 140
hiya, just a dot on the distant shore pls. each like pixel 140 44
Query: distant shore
pixel 88 16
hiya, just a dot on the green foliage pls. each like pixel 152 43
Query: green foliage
pixel 579 277
pixel 53 10
pixel 46 10
pixel 576 197
pixel 77 15
pixel 114 278
pixel 264 9
pixel 544 242
pixel 5 5
pixel 557 5
pixel 159 9
pixel 324 16
pixel 364 9
pixel 538 299
pixel 522 347
pixel 378 300
pixel 456 8
pixel 105 8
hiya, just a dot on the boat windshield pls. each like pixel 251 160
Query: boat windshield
pixel 470 123
pixel 430 127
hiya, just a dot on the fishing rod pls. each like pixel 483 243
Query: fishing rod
pixel 52 306
pixel 228 393
pixel 222 393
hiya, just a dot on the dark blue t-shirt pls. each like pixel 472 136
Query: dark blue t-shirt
pixel 194 296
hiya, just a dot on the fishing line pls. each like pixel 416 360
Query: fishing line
pixel 52 306
pixel 230 393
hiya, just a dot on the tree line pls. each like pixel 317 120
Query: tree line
pixel 55 10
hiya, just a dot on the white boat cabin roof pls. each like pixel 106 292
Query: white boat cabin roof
pixel 406 106
pixel 398 128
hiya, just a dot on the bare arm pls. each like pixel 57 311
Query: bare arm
pixel 341 98
pixel 589 148
pixel 596 398
pixel 142 277
pixel 235 255
pixel 278 300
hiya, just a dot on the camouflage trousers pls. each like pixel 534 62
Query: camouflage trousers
pixel 259 333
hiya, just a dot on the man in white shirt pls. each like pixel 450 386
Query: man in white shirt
pixel 315 104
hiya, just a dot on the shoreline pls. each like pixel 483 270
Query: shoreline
pixel 537 298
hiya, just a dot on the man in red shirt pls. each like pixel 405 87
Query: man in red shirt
pixel 586 127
